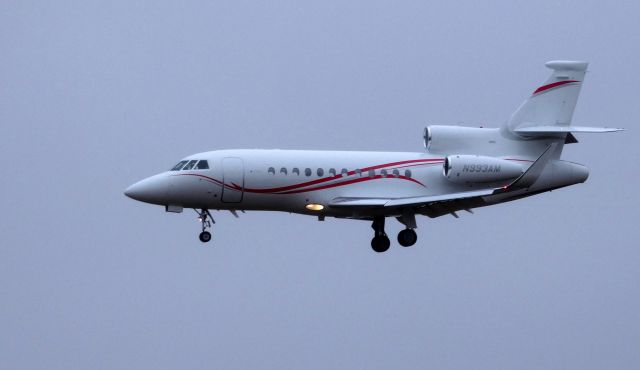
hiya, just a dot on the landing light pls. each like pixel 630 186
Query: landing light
pixel 314 207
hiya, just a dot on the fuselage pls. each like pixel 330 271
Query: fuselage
pixel 291 180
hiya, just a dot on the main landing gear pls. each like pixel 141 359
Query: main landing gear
pixel 406 238
pixel 204 216
pixel 380 242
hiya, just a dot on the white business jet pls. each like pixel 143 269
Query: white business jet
pixel 462 168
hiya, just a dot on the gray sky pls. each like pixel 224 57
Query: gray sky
pixel 97 95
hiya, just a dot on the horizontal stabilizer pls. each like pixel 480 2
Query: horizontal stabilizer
pixel 550 130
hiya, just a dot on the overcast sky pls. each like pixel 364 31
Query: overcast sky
pixel 97 95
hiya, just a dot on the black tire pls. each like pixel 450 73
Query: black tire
pixel 205 236
pixel 380 243
pixel 407 237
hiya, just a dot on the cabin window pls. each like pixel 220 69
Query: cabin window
pixel 396 173
pixel 372 173
pixel 283 171
pixel 295 171
pixel 344 172
pixel 272 171
pixel 383 173
pixel 332 171
pixel 307 171
pixel 320 172
pixel 359 172
pixel 203 165
pixel 178 166
pixel 407 173
pixel 190 165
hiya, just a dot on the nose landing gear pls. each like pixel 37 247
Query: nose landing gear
pixel 205 236
pixel 204 216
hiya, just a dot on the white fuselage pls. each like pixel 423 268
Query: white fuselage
pixel 289 180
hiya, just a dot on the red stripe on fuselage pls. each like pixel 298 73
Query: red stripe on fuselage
pixel 328 186
pixel 336 177
pixel 352 181
pixel 210 179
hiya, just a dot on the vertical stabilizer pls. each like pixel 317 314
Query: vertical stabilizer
pixel 552 104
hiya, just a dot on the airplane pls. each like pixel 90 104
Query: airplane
pixel 462 168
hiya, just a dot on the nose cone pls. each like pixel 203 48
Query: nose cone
pixel 153 190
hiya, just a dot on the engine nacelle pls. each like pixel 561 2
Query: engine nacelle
pixel 462 140
pixel 480 169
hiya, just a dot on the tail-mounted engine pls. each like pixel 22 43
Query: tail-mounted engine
pixel 463 140
pixel 480 169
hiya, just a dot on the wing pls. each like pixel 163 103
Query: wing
pixel 343 202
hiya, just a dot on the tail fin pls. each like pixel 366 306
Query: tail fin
pixel 551 104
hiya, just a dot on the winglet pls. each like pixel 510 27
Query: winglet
pixel 533 172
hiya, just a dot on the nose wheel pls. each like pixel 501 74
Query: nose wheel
pixel 206 220
pixel 205 236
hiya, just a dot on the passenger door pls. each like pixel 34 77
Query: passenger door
pixel 233 179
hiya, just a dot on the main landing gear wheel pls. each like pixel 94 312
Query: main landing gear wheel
pixel 205 236
pixel 407 237
pixel 380 242
pixel 204 216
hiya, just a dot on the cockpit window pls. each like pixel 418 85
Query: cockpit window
pixel 203 165
pixel 190 165
pixel 178 166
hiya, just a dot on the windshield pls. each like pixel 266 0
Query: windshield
pixel 203 165
pixel 190 165
pixel 178 166
pixel 193 164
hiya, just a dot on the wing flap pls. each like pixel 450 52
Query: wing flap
pixel 420 201
pixel 346 202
